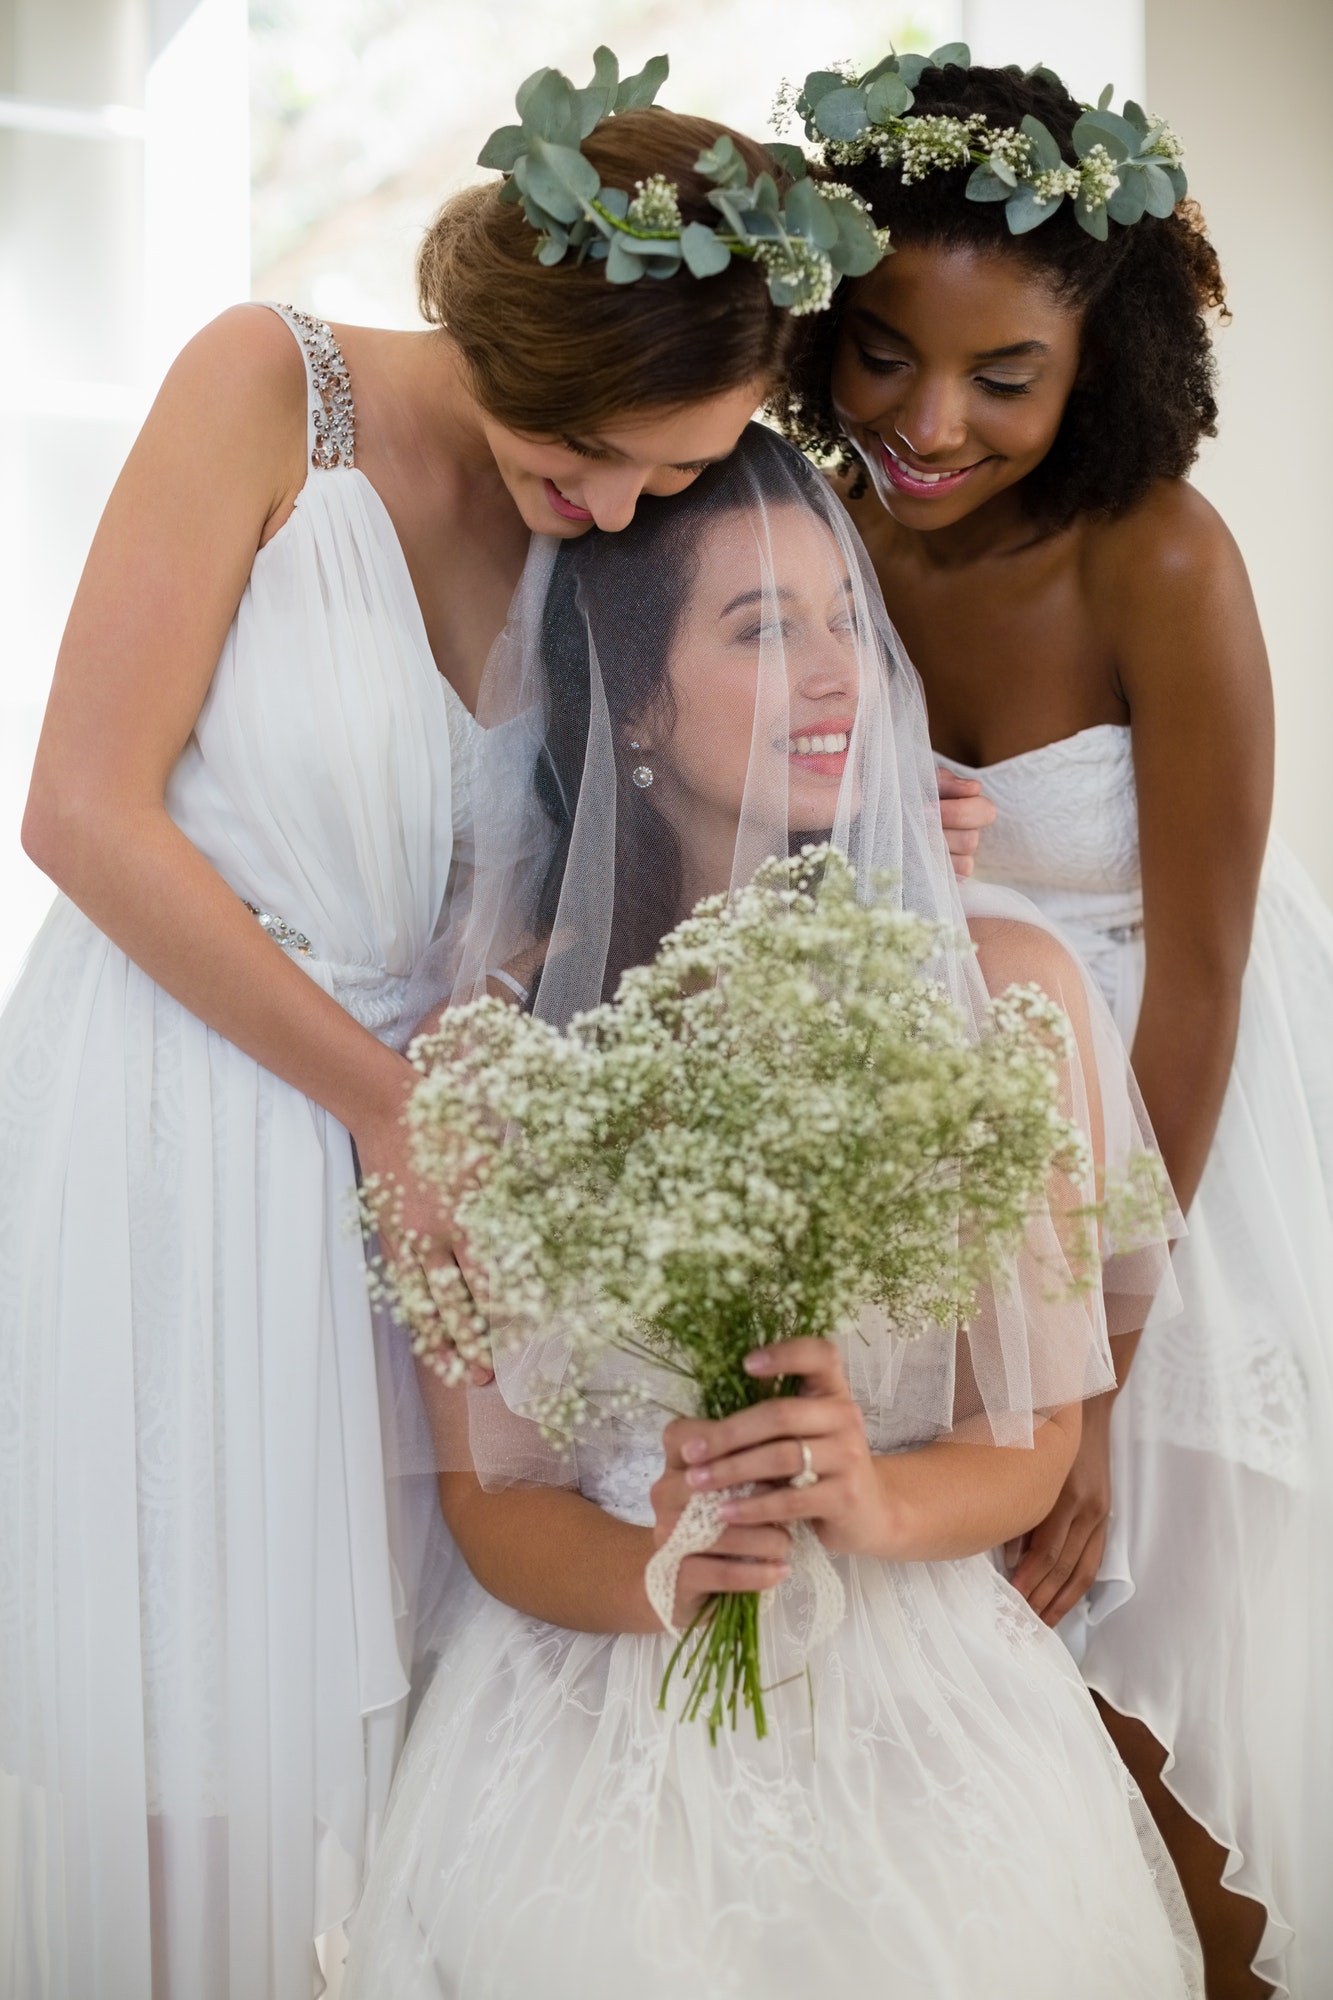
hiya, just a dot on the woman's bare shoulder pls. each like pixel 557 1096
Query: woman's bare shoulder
pixel 1169 587
pixel 1173 537
pixel 243 368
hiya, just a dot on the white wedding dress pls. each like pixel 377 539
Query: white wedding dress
pixel 954 1826
pixel 1212 1619
pixel 200 1682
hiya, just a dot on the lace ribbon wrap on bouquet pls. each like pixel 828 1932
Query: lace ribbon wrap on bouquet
pixel 701 1527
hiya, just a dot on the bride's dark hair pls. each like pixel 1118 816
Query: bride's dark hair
pixel 625 594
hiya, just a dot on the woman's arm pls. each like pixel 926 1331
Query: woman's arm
pixel 211 477
pixel 944 1500
pixel 1171 586
pixel 1195 676
pixel 554 1555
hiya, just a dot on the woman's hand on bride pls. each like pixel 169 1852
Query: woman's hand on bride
pixel 965 813
pixel 418 1225
pixel 1064 1552
pixel 819 1431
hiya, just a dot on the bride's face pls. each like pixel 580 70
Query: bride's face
pixel 564 485
pixel 764 670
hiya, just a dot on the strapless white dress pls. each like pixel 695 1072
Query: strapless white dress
pixel 200 1682
pixel 1212 1619
pixel 936 1815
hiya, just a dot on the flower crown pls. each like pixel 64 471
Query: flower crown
pixel 1129 164
pixel 821 232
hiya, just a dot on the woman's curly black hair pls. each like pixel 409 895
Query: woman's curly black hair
pixel 1144 394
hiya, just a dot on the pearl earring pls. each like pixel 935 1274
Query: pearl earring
pixel 642 774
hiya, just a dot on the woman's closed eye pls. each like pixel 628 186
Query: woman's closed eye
pixel 891 364
pixel 583 450
pixel 879 364
pixel 771 628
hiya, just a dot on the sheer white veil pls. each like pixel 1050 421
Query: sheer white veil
pixel 667 707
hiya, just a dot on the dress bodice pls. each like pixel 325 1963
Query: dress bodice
pixel 322 778
pixel 1067 815
pixel 1066 834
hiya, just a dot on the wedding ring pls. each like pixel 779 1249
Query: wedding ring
pixel 807 1476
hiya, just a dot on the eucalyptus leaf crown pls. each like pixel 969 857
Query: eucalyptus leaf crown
pixel 1128 164
pixel 806 241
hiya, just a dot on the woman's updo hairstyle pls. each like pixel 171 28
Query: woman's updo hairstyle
pixel 559 349
pixel 1144 396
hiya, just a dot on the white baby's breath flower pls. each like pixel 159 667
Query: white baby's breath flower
pixel 1099 177
pixel 779 1121
pixel 1163 144
pixel 656 204
pixel 1051 182
pixel 1010 147
pixel 804 273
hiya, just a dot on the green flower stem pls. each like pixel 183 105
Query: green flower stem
pixel 739 246
pixel 632 228
pixel 718 1652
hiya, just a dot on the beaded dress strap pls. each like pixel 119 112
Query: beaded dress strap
pixel 331 429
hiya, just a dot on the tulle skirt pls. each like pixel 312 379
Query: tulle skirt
pixel 936 1814
pixel 1212 1620
pixel 199 1678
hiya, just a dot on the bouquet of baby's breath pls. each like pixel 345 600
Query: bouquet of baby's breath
pixel 782 1120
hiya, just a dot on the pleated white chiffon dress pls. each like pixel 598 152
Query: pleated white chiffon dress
pixel 200 1680
pixel 1212 1618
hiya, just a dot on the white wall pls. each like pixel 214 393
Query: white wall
pixel 124 191
pixel 71 195
pixel 1088 43
pixel 1248 92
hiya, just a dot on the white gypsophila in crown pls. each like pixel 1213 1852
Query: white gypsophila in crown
pixel 1128 164
pixel 805 239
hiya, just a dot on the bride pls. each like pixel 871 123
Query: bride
pixel 668 706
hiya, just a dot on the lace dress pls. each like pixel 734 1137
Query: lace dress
pixel 936 1815
pixel 1212 1619
pixel 200 1681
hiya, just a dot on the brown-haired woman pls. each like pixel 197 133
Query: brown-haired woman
pixel 246 789
pixel 1023 411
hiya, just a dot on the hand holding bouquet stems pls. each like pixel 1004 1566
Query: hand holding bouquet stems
pixel 781 1122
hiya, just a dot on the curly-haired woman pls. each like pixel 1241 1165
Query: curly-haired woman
pixel 1022 411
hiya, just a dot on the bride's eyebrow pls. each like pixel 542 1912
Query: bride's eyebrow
pixel 755 597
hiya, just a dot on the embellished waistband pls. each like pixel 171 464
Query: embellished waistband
pixel 371 994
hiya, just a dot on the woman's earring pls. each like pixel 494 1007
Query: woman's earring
pixel 642 774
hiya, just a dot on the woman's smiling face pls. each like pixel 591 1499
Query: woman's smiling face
pixel 951 375
pixel 764 673
pixel 565 485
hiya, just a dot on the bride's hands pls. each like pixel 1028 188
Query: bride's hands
pixel 965 812
pixel 848 1505
pixel 1064 1552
